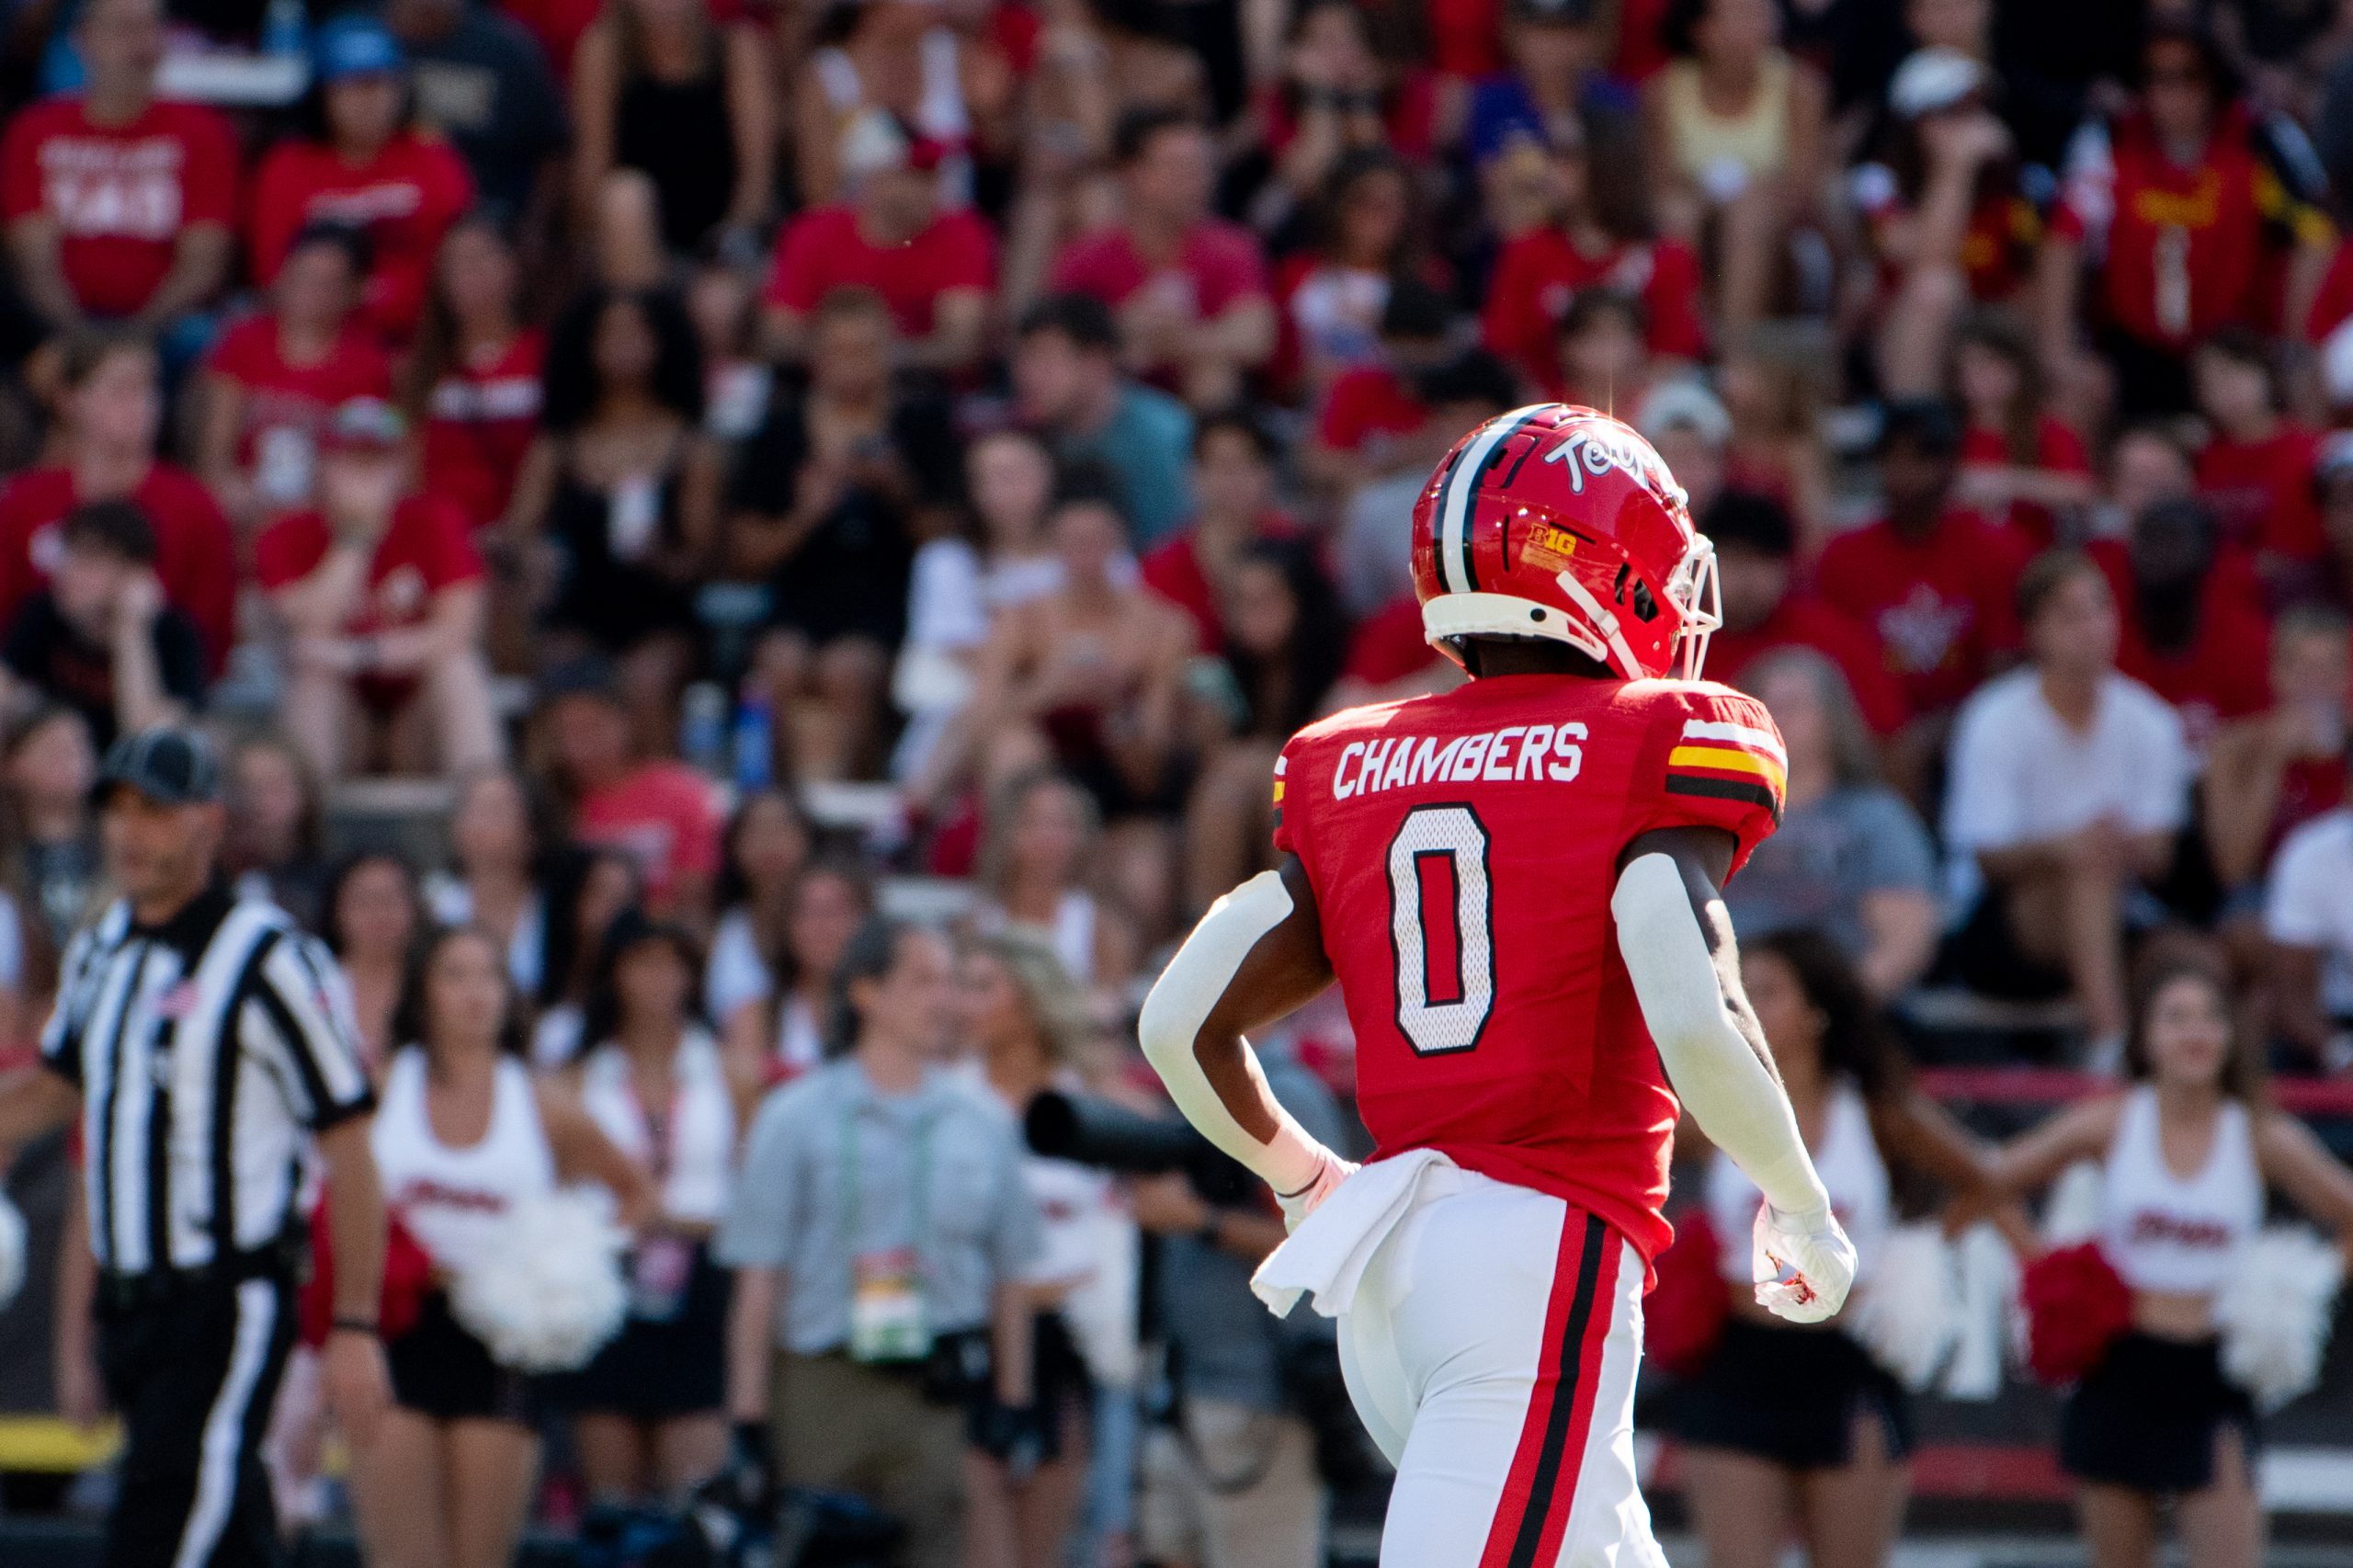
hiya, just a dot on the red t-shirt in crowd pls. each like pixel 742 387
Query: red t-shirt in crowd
pixel 2226 672
pixel 2334 301
pixel 822 250
pixel 1365 406
pixel 1801 620
pixel 1173 570
pixel 1940 607
pixel 196 554
pixel 2262 491
pixel 479 422
pixel 286 404
pixel 2184 250
pixel 2057 449
pixel 118 194
pixel 406 198
pixel 1539 274
pixel 1219 265
pixel 1466 37
pixel 663 816
pixel 1409 121
pixel 425 550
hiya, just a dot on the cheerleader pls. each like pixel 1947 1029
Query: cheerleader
pixel 462 1132
pixel 2186 1154
pixel 1783 1424
pixel 648 1411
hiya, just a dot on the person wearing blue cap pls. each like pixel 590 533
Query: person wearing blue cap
pixel 370 167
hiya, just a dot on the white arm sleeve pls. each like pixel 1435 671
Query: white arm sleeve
pixel 1717 1075
pixel 1180 1003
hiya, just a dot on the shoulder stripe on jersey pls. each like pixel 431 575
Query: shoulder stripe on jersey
pixel 1726 790
pixel 1728 760
pixel 1462 484
pixel 1739 734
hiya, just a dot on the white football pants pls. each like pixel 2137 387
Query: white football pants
pixel 1491 1351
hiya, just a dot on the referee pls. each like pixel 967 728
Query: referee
pixel 201 1037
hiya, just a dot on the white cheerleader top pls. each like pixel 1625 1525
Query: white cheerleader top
pixel 451 1200
pixel 2163 1231
pixel 1852 1171
pixel 688 1148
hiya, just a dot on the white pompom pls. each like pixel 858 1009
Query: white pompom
pixel 548 1293
pixel 2072 1214
pixel 12 1250
pixel 2275 1312
pixel 1907 1311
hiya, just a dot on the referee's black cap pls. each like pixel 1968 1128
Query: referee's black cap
pixel 168 764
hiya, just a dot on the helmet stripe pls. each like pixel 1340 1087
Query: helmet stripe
pixel 1454 519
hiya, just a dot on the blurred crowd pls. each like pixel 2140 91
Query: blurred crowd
pixel 763 462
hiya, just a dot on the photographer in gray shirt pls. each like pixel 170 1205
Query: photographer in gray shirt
pixel 879 1229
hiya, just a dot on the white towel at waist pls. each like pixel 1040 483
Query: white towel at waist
pixel 1327 1255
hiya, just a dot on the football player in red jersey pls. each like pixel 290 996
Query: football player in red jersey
pixel 1514 885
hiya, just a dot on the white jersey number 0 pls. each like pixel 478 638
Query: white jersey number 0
pixel 1441 926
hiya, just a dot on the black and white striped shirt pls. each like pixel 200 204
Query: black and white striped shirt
pixel 207 1050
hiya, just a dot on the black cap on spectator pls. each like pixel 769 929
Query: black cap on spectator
pixel 119 529
pixel 1474 376
pixel 1742 520
pixel 1930 425
pixel 1415 310
pixel 587 675
pixel 1084 318
pixel 170 764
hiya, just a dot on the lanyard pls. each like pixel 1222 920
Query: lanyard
pixel 850 1166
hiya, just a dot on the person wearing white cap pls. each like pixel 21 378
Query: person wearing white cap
pixel 1946 221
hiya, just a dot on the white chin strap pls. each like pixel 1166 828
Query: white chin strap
pixel 1619 657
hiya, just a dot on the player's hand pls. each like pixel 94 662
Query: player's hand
pixel 1298 1206
pixel 1804 1263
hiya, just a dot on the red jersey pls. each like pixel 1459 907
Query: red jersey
pixel 823 251
pixel 1219 265
pixel 406 198
pixel 1940 607
pixel 2184 250
pixel 196 554
pixel 1801 621
pixel 286 404
pixel 1365 408
pixel 1513 1042
pixel 663 816
pixel 2262 491
pixel 425 550
pixel 118 194
pixel 2057 449
pixel 1539 274
pixel 479 422
pixel 2226 672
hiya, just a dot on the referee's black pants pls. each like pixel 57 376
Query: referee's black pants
pixel 194 1370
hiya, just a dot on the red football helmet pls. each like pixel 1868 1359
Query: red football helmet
pixel 1559 521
